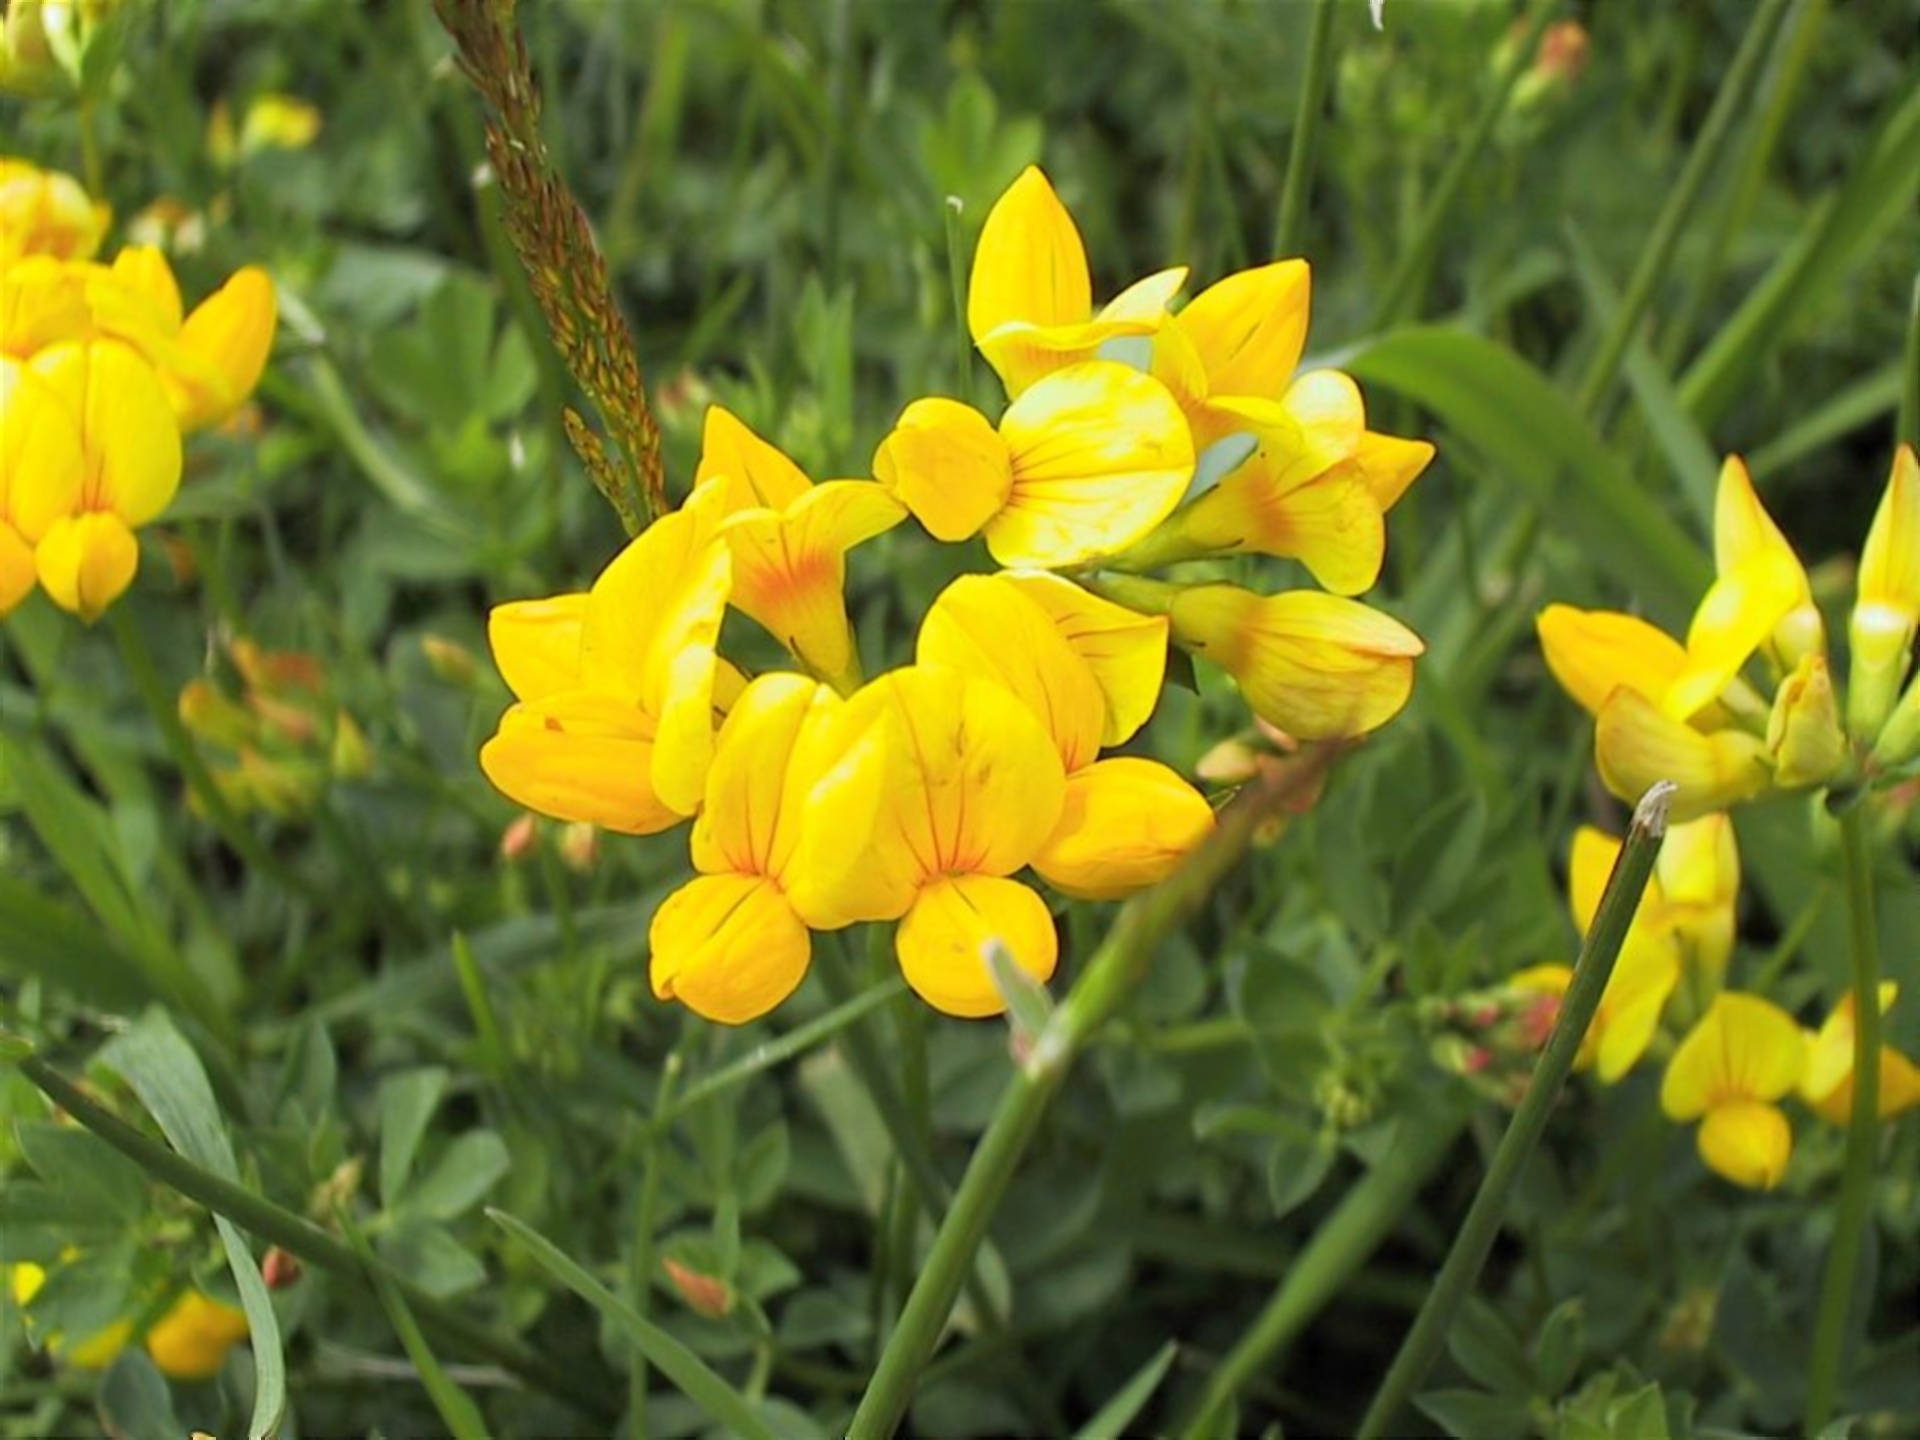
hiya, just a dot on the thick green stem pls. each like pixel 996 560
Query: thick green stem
pixel 1461 1270
pixel 306 1241
pixel 1112 974
pixel 1306 132
pixel 1850 1215
pixel 1704 161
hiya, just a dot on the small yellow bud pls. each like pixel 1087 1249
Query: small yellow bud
pixel 1804 737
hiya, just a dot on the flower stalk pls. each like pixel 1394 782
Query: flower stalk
pixel 1631 872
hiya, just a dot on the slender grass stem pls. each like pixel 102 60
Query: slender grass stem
pixel 1850 1216
pixel 957 283
pixel 1112 974
pixel 1292 219
pixel 308 1242
pixel 1907 426
pixel 1477 1233
pixel 1401 292
pixel 1704 161
pixel 646 1223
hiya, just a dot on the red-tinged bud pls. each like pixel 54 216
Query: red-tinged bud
pixel 279 1268
pixel 706 1295
pixel 449 660
pixel 519 838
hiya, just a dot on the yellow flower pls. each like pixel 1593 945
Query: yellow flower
pixel 1744 1055
pixel 96 1352
pixel 1127 822
pixel 951 785
pixel 1623 1026
pixel 1827 1085
pixel 729 944
pixel 42 470
pixel 1084 463
pixel 613 723
pixel 44 212
pixel 191 1341
pixel 1030 298
pixel 1637 744
pixel 130 468
pixel 278 122
pixel 789 540
pixel 1887 608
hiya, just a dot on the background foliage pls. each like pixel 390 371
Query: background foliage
pixel 399 1024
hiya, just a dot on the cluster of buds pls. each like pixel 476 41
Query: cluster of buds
pixel 1689 714
pixel 282 736
pixel 1136 436
pixel 102 372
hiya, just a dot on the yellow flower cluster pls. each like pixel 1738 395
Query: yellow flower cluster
pixel 1743 1054
pixel 189 1341
pixel 1687 713
pixel 822 799
pixel 102 371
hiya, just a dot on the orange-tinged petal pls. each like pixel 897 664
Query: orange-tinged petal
pixel 229 335
pixel 1637 744
pixel 1250 327
pixel 127 431
pixel 580 756
pixel 947 465
pixel 744 808
pixel 1128 823
pixel 943 941
pixel 1031 264
pixel 1100 455
pixel 42 465
pixel 1887 611
pixel 1748 1142
pixel 728 947
pixel 1592 653
pixel 1737 616
pixel 1318 666
pixel 46 212
pixel 1332 524
pixel 191 1341
pixel 1127 651
pixel 757 472
pixel 1743 1048
pixel 536 644
pixel 85 562
pixel 984 625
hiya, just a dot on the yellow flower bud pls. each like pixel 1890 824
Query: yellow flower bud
pixel 1804 737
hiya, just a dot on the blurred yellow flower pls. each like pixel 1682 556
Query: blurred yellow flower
pixel 190 1341
pixel 1827 1085
pixel 46 212
pixel 1728 1073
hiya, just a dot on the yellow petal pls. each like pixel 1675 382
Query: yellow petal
pixel 1022 354
pixel 143 269
pixel 1100 455
pixel 728 947
pixel 1742 532
pixel 1332 524
pixel 1743 1048
pixel 85 562
pixel 580 756
pixel 1031 264
pixel 536 644
pixel 17 573
pixel 1126 651
pixel 42 302
pixel 1594 652
pixel 1588 868
pixel 757 473
pixel 743 810
pixel 943 941
pixel 1804 738
pixel 947 465
pixel 1748 1142
pixel 1644 977
pixel 1698 874
pixel 128 434
pixel 42 466
pixel 1738 614
pixel 229 335
pixel 1146 299
pixel 847 777
pixel 1318 666
pixel 191 1341
pixel 983 625
pixel 1128 823
pixel 1637 744
pixel 1884 617
pixel 1387 465
pixel 46 212
pixel 1250 327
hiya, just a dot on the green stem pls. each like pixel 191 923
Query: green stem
pixel 165 710
pixel 1306 132
pixel 1907 427
pixel 1850 1217
pixel 1631 871
pixel 1703 161
pixel 1339 1248
pixel 957 283
pixel 1401 290
pixel 1111 975
pixel 646 1223
pixel 306 1241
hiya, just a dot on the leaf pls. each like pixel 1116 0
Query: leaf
pixel 134 1402
pixel 1470 1415
pixel 467 1169
pixel 1560 1346
pixel 1130 1399
pixel 1534 436
pixel 407 1102
pixel 686 1370
pixel 84 1169
pixel 47 941
pixel 1484 1345
pixel 161 1068
pixel 1296 1172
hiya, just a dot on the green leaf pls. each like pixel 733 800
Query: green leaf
pixel 1471 1415
pixel 432 1259
pixel 161 1068
pixel 1483 1345
pixel 686 1370
pixel 83 1168
pixel 1560 1346
pixel 135 1402
pixel 1130 1399
pixel 44 940
pixel 1295 1173
pixel 407 1102
pixel 466 1170
pixel 1540 444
